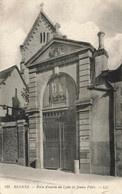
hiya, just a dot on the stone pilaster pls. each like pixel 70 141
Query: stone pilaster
pixel 84 138
pixel 34 123
pixel 32 91
pixel 21 142
pixel 35 143
pixel 84 76
pixel 84 112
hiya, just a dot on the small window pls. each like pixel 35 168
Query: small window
pixel 48 37
pixel 43 36
pixel 121 106
pixel 121 91
pixel 40 37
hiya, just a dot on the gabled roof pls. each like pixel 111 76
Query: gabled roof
pixel 7 72
pixel 39 17
pixel 61 40
pixel 114 75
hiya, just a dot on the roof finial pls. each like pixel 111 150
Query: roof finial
pixel 57 26
pixel 42 5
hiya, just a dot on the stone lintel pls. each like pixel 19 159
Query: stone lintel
pixel 21 122
pixel 32 111
pixel 83 103
pixel 10 124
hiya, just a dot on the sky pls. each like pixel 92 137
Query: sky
pixel 79 19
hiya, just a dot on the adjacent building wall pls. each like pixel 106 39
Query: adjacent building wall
pixel 118 128
pixel 100 134
pixel 8 90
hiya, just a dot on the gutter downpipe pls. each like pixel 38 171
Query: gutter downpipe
pixel 114 115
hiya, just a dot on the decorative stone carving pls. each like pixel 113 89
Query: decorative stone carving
pixel 56 98
pixel 55 51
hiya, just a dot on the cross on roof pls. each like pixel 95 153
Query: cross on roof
pixel 42 5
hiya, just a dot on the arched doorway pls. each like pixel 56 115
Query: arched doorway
pixel 59 122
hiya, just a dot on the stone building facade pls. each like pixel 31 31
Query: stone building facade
pixel 73 111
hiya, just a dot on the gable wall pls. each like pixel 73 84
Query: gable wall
pixel 7 91
pixel 62 49
pixel 33 44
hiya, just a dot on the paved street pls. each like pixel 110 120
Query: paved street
pixel 17 179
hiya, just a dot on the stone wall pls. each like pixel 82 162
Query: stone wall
pixel 118 151
pixel 118 128
pixel 100 134
pixel 13 142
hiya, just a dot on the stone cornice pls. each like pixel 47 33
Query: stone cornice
pixel 62 41
pixel 53 63
pixel 32 111
pixel 83 103
pixel 59 61
pixel 100 52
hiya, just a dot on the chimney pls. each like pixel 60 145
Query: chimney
pixel 101 56
pixel 101 40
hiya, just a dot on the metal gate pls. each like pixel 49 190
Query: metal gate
pixel 59 140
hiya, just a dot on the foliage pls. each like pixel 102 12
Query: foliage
pixel 25 94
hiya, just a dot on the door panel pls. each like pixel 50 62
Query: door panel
pixel 68 147
pixel 59 142
pixel 51 143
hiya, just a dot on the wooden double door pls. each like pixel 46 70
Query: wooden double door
pixel 59 140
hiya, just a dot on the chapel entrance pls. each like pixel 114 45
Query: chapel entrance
pixel 59 122
pixel 59 139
